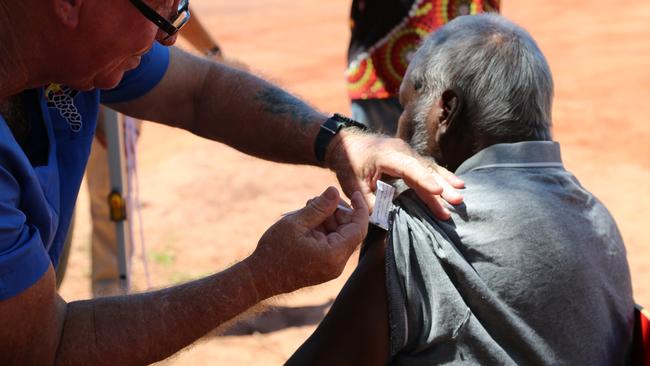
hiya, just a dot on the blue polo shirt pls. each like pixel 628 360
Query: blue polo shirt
pixel 39 181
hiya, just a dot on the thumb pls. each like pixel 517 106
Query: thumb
pixel 318 209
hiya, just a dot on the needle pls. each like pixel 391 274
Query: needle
pixel 340 207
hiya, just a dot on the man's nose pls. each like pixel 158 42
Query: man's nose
pixel 163 38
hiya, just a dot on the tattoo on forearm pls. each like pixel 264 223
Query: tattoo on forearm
pixel 277 101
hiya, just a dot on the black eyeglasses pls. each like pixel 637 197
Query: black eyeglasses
pixel 171 26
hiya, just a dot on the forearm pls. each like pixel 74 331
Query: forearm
pixel 38 327
pixel 256 117
pixel 144 328
pixel 228 105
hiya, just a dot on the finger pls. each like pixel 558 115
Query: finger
pixel 450 177
pixel 417 173
pixel 369 200
pixel 436 205
pixel 321 229
pixel 331 223
pixel 342 216
pixel 448 192
pixel 367 190
pixel 318 209
pixel 357 229
pixel 361 212
pixel 429 180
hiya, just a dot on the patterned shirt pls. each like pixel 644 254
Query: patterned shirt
pixel 386 34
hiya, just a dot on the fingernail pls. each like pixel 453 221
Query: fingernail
pixel 330 193
pixel 454 195
pixel 343 208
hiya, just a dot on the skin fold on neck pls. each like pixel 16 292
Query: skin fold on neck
pixel 20 45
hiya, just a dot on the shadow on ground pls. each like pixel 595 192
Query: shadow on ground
pixel 276 318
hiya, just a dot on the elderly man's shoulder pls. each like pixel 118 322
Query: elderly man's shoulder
pixel 513 192
pixel 522 211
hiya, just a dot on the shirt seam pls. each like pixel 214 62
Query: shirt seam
pixel 519 165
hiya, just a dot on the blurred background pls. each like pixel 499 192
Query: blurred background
pixel 206 205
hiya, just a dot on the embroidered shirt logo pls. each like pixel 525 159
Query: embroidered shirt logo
pixel 62 98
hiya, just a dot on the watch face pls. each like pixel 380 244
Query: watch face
pixel 332 126
pixel 329 129
pixel 343 121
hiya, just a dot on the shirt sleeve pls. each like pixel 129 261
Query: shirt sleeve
pixel 23 259
pixel 424 306
pixel 142 79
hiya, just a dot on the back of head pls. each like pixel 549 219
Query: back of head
pixel 499 72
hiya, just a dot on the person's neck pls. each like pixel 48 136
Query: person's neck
pixel 454 150
pixel 20 51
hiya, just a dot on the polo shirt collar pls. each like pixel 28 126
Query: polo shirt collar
pixel 527 154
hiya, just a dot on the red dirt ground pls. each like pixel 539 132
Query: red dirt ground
pixel 206 205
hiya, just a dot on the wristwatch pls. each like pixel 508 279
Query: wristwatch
pixel 329 129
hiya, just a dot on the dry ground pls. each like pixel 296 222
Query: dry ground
pixel 206 205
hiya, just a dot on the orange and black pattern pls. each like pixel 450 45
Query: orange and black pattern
pixel 378 72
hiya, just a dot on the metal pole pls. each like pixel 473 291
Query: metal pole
pixel 114 128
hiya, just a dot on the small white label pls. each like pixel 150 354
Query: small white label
pixel 383 205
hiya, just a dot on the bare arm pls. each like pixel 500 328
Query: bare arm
pixel 38 327
pixel 147 327
pixel 224 104
pixel 126 330
pixel 355 331
pixel 231 106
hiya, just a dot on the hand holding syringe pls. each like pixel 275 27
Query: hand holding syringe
pixel 339 207
pixel 383 205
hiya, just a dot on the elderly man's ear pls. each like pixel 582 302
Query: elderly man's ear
pixel 452 143
pixel 68 11
pixel 449 106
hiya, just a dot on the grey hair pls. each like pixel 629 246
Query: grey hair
pixel 498 70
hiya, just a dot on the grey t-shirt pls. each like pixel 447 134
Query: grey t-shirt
pixel 530 270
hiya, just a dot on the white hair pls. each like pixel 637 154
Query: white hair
pixel 498 70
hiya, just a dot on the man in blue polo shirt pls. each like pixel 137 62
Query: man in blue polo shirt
pixel 56 57
pixel 57 152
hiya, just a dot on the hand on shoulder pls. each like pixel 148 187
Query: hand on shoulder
pixel 359 159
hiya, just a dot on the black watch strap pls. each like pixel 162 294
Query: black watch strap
pixel 328 130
